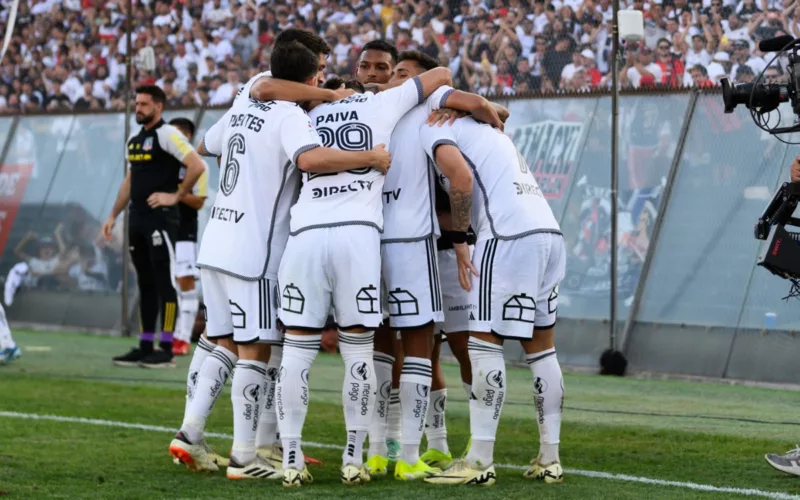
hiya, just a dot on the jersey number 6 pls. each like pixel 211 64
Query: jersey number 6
pixel 230 173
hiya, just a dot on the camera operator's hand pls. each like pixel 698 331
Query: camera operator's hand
pixel 795 173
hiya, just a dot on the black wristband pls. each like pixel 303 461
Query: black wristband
pixel 455 237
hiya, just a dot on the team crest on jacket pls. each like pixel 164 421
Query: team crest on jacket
pixel 148 144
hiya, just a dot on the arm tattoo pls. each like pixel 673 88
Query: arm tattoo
pixel 461 209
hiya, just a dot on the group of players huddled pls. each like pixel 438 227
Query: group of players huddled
pixel 445 233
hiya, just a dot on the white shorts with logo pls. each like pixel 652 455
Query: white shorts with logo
pixel 339 266
pixel 246 309
pixel 185 259
pixel 518 284
pixel 411 274
pixel 456 301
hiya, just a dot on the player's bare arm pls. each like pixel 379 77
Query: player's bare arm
pixel 478 106
pixel 201 149
pixel 270 89
pixel 194 201
pixel 449 116
pixel 452 164
pixel 433 79
pixel 195 166
pixel 325 160
pixel 123 198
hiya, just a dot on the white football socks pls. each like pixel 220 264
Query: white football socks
pixel 380 416
pixel 267 434
pixel 247 387
pixel 6 341
pixel 489 389
pixel 291 394
pixel 188 305
pixel 210 380
pixel 548 395
pixel 202 351
pixel 435 425
pixel 358 392
pixel 415 386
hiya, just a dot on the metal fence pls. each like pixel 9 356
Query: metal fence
pixel 693 182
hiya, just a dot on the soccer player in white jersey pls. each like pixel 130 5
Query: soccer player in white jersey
pixel 262 146
pixel 333 258
pixel 9 351
pixel 520 257
pixel 211 365
pixel 409 263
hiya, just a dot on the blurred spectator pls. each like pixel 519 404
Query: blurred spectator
pixel 205 49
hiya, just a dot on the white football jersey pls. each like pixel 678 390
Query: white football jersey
pixel 408 192
pixel 507 201
pixel 248 227
pixel 214 134
pixel 357 123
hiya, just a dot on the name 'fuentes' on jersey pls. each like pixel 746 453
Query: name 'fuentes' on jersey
pixel 248 228
pixel 507 201
pixel 357 123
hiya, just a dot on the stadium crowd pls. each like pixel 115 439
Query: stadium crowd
pixel 69 54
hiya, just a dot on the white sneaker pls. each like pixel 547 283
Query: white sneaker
pixel 257 469
pixel 788 462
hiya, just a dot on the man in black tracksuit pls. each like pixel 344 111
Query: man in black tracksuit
pixel 152 187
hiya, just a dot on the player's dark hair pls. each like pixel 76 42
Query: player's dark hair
pixel 425 61
pixel 307 38
pixel 153 91
pixel 184 124
pixel 335 82
pixel 293 61
pixel 381 46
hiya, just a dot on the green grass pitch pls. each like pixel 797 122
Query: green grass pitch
pixel 636 430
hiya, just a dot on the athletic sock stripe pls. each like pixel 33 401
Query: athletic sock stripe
pixel 308 347
pixel 417 374
pixel 255 368
pixel 205 345
pixel 538 358
pixel 485 348
pixel 224 359
pixel 355 342
pixel 417 366
pixel 383 358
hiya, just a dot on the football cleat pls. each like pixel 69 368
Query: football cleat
pixel 213 455
pixel 273 454
pixel 9 354
pixel 181 348
pixel 353 475
pixel 194 456
pixel 131 358
pixel 377 465
pixel 257 469
pixel 437 459
pixel 404 471
pixel 550 474
pixel 293 478
pixel 788 462
pixel 394 449
pixel 464 472
pixel 158 359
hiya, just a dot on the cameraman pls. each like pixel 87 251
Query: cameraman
pixel 790 461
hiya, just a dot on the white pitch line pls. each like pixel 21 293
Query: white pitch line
pixel 751 492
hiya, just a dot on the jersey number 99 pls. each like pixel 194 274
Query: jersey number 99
pixel 230 173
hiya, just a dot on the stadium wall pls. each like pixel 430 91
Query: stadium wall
pixel 693 182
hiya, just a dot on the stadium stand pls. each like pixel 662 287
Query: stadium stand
pixel 69 54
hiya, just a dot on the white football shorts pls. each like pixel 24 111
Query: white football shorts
pixel 338 265
pixel 246 309
pixel 456 301
pixel 518 284
pixel 411 273
pixel 185 258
